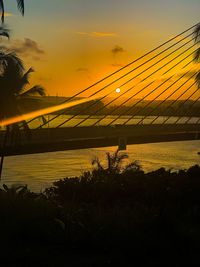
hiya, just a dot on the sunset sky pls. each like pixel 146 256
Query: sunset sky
pixel 73 43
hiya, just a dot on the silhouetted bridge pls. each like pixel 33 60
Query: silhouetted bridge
pixel 49 140
pixel 163 81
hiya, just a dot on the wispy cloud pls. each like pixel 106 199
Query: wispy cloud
pixel 117 50
pixel 26 48
pixel 104 34
pixel 117 65
pixel 85 72
pixel 83 33
pixel 98 34
pixel 82 69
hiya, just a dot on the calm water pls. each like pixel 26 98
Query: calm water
pixel 108 119
pixel 40 170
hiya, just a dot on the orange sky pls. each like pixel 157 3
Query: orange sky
pixel 72 44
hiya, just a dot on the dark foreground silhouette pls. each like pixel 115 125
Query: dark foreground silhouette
pixel 111 216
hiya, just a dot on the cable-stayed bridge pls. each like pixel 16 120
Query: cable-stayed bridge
pixel 154 98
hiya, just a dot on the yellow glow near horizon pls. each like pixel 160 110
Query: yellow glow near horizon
pixel 44 111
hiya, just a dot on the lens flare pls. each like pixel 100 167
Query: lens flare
pixel 44 111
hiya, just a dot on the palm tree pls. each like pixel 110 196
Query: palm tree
pixel 3 30
pixel 197 53
pixel 114 162
pixel 20 4
pixel 114 165
pixel 13 82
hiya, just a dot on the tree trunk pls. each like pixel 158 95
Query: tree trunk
pixel 1 165
pixel 3 148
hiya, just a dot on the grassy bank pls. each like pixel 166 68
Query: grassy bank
pixel 111 215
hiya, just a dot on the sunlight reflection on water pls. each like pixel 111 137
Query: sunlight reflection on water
pixel 40 170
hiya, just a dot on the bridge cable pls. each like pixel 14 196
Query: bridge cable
pixel 190 112
pixel 139 92
pixel 98 91
pixel 176 122
pixel 169 97
pixel 158 95
pixel 193 116
pixel 136 85
pixel 129 81
pixel 124 68
pixel 116 108
pixel 181 104
pixel 197 120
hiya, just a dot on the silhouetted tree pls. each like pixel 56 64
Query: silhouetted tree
pixel 20 4
pixel 13 82
pixel 114 164
pixel 4 31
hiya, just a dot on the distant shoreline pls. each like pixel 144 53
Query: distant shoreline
pixel 144 108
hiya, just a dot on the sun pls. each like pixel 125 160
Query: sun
pixel 118 90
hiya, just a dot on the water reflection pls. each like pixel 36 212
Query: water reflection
pixel 40 170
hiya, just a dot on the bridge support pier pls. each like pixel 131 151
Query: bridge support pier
pixel 122 143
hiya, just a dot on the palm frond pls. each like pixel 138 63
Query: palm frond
pixel 115 157
pixel 196 33
pixel 20 4
pixel 197 79
pixel 120 158
pixel 27 74
pixel 96 161
pixel 133 166
pixel 115 161
pixel 25 79
pixel 16 59
pixel 11 61
pixel 197 55
pixel 36 90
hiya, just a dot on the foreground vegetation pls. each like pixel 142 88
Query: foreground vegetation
pixel 111 215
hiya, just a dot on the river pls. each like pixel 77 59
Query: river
pixel 41 170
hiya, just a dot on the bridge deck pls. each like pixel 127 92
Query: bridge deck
pixel 60 139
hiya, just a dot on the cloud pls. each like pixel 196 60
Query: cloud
pixel 83 33
pixel 187 74
pixel 26 48
pixel 85 72
pixel 46 78
pixel 180 38
pixel 98 34
pixel 104 34
pixel 117 65
pixel 82 69
pixel 27 45
pixel 117 50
